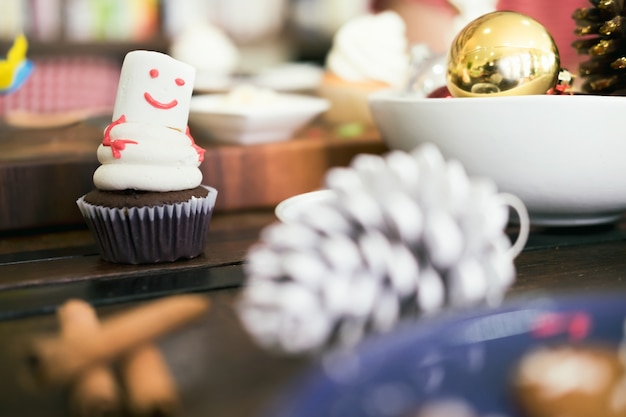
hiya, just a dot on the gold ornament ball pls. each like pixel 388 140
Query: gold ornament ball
pixel 502 54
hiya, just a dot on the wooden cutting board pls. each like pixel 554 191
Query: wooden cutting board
pixel 44 171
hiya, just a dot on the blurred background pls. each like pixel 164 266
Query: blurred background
pixel 77 45
pixel 282 29
pixel 295 29
pixel 73 43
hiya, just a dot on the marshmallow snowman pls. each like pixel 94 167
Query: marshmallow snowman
pixel 154 88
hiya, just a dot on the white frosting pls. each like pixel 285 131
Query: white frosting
pixel 162 159
pixel 154 88
pixel 371 47
pixel 207 48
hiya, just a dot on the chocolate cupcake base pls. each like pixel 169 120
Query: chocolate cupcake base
pixel 153 234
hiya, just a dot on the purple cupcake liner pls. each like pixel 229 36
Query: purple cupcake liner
pixel 140 235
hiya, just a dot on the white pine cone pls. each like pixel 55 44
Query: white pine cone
pixel 408 234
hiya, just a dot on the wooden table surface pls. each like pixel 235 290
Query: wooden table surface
pixel 218 368
pixel 220 371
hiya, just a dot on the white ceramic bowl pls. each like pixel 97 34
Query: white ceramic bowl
pixel 252 124
pixel 564 156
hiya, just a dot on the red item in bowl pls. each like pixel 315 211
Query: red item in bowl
pixel 440 92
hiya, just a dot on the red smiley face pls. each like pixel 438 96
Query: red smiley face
pixel 154 73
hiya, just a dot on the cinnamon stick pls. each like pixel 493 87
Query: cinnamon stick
pixel 56 360
pixel 95 392
pixel 150 388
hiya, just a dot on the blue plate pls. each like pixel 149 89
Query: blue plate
pixel 467 356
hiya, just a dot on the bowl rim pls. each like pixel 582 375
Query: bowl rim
pixel 401 96
pixel 454 333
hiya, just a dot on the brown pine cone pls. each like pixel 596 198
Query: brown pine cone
pixel 602 32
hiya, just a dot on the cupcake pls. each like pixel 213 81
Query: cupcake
pixel 149 204
pixel 368 53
